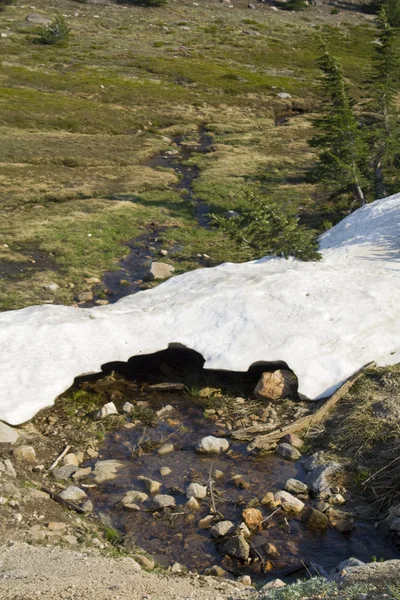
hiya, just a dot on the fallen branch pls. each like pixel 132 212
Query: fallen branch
pixel 63 453
pixel 65 503
pixel 264 440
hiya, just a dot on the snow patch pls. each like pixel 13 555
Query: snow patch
pixel 324 320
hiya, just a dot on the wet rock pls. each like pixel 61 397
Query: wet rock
pixel 106 410
pixel 71 459
pixel 340 520
pixel 245 580
pixel 205 523
pixel 243 530
pixel 192 504
pixel 237 547
pixel 317 459
pixel 164 471
pixel 165 449
pixel 92 453
pixel 212 445
pixel 252 517
pixel 289 503
pixel 132 498
pixel 128 408
pixel 273 585
pixel 73 494
pixel 152 486
pixel 8 435
pixel 337 499
pixel 293 440
pixel 81 473
pixel 221 529
pixel 84 297
pixel 164 501
pixel 144 562
pixel 218 474
pixel 159 270
pixel 282 383
pixel 64 473
pixel 322 506
pixel 294 486
pixel 315 520
pixel 240 482
pixel 287 451
pixel 196 490
pixel 106 470
pixel 268 500
pixel 165 411
pixel 25 454
pixel 271 550
pixel 216 571
pixel 317 479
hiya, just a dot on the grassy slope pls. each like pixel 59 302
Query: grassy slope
pixel 77 122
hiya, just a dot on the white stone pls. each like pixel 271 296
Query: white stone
pixel 127 408
pixel 212 445
pixel 107 409
pixel 196 490
pixel 289 502
pixel 271 309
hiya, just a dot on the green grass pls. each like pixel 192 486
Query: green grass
pixel 77 123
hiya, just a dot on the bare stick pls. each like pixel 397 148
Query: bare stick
pixel 63 453
pixel 66 503
pixel 304 422
pixel 380 470
pixel 210 482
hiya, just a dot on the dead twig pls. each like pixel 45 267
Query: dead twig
pixel 65 503
pixel 263 440
pixel 63 453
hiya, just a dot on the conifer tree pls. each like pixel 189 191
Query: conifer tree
pixel 383 131
pixel 341 147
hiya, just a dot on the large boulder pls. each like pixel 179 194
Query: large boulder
pixel 276 385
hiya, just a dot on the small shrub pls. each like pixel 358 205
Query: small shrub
pixel 335 11
pixel 55 32
pixel 150 3
pixel 293 5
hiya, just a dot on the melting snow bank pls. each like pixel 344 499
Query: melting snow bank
pixel 325 320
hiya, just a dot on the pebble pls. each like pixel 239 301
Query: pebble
pixel 164 501
pixel 70 539
pixel 237 547
pixel 205 523
pixel 144 562
pixel 73 494
pixel 56 526
pixel 132 497
pixel 221 529
pixel 212 445
pixel 271 550
pixel 25 454
pixel 71 459
pixel 287 451
pixel 65 472
pixel 192 504
pixel 165 449
pixel 289 502
pixel 293 440
pixel 295 486
pixel 106 410
pixel 164 471
pixel 152 486
pixel 80 473
pixel 196 490
pixel 127 408
pixel 252 517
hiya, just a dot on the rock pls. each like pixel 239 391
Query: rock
pixel 132 497
pixel 273 585
pixel 71 459
pixel 164 471
pixel 293 440
pixel 268 500
pixel 8 435
pixel 106 470
pixel 163 252
pixel 205 523
pixel 216 571
pixel 221 529
pixel 315 520
pixel 218 474
pixel 232 214
pixel 289 502
pixel 192 504
pixel 35 494
pixel 56 526
pixel 70 539
pixel 337 499
pixel 310 463
pixel 243 530
pixel 37 19
pixel 240 482
pixel 252 517
pixel 322 506
pixel 164 411
pixel 271 550
pixel 196 490
pixel 287 451
pixel 237 547
pixel 212 445
pixel 165 449
pixel 128 408
pixel 250 5
pixel 144 562
pixel 87 506
pixel 376 574
pixel 92 280
pixel 159 270
pixel 37 534
pixel 64 473
pixel 106 410
pixel 152 486
pixel 84 297
pixel 81 473
pixel 52 287
pixel 317 479
pixel 177 568
pixel 73 494
pixel 294 486
pixel 274 386
pixel 164 501
pixel 346 564
pixel 25 454
pixel 92 453
pixel 284 96
pixel 7 468
pixel 342 521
